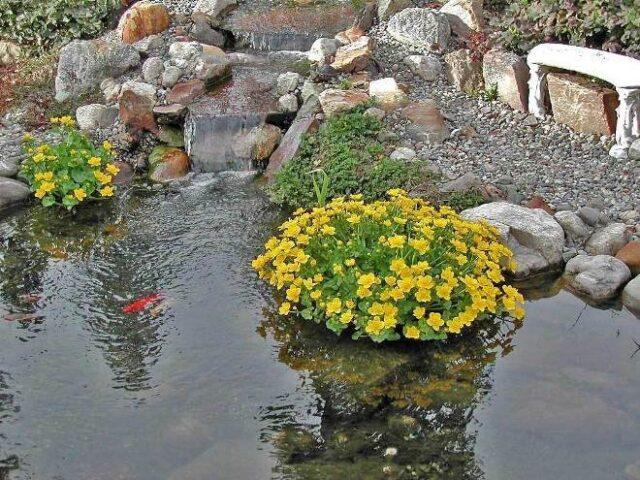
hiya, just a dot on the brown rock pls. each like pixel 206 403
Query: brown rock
pixel 172 112
pixel 360 80
pixel 350 35
pixel 167 163
pixel 125 175
pixel 212 50
pixel 630 255
pixel 142 20
pixel 290 144
pixel 136 111
pixel 354 56
pixel 259 143
pixel 335 101
pixel 427 123
pixel 464 71
pixel 510 74
pixel 186 92
pixel 538 202
pixel 581 104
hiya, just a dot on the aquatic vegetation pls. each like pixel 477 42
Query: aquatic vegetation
pixel 71 171
pixel 389 269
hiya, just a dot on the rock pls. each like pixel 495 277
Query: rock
pixel 403 153
pixel 150 46
pixel 83 65
pixel 12 192
pixel 388 8
pixel 288 83
pixel 427 123
pixel 630 255
pixel 634 150
pixel 376 113
pixel 464 72
pixel 467 182
pixel 465 16
pixel 581 104
pixel 94 116
pixel 172 113
pixel 110 89
pixel 9 166
pixel 288 103
pixel 203 33
pixel 350 35
pixel 366 18
pixel 125 175
pixel 608 240
pixel 510 75
pixel 186 92
pixel 538 202
pixel 171 136
pixel 323 50
pixel 9 53
pixel 600 277
pixel 388 94
pixel 335 101
pixel 171 76
pixel 576 231
pixel 142 20
pixel 213 10
pixel 353 57
pixel 212 70
pixel 427 67
pixel 535 237
pixel 259 143
pixel 421 28
pixel 631 296
pixel 185 54
pixel 590 216
pixel 142 89
pixel 167 164
pixel 310 89
pixel 213 51
pixel 136 106
pixel 152 70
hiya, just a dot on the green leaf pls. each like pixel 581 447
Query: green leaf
pixel 48 201
pixel 78 175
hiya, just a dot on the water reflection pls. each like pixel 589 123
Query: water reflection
pixel 397 411
pixel 8 408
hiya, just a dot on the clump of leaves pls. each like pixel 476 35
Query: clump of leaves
pixel 346 149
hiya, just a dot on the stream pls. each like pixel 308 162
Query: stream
pixel 211 384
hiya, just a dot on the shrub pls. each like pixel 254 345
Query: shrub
pixel 71 171
pixel 347 150
pixel 42 24
pixel 389 269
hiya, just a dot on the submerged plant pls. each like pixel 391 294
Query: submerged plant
pixel 389 269
pixel 71 171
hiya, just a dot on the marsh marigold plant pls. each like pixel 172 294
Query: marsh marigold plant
pixel 389 269
pixel 70 171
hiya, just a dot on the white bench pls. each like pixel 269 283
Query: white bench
pixel 622 72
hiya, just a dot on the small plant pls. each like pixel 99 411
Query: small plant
pixel 490 93
pixel 345 84
pixel 71 171
pixel 390 269
pixel 321 189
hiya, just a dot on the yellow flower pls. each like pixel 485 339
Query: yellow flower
pixel 39 157
pixel 94 161
pixel 334 306
pixel 316 294
pixel 107 145
pixel 112 169
pixel 80 194
pixel 346 317
pixel 367 280
pixel 374 327
pixel 412 332
pixel 328 230
pixel 419 312
pixel 27 138
pixel 349 262
pixel 435 321
pixel 285 308
pixel 293 294
pixel 396 241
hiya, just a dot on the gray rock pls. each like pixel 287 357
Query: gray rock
pixel 288 83
pixel 184 54
pixel 171 76
pixel 608 240
pixel 464 72
pixel 212 70
pixel 12 192
pixel 465 16
pixel 151 45
pixel 634 150
pixel 213 10
pixel 9 166
pixel 310 89
pixel 376 113
pixel 83 65
pixel 631 295
pixel 427 67
pixel 152 70
pixel 259 143
pixel 421 28
pixel 141 89
pixel 576 231
pixel 94 116
pixel 323 50
pixel 387 8
pixel 600 277
pixel 535 237
pixel 110 89
pixel 589 215
pixel 203 33
pixel 288 103
pixel 403 153
pixel 468 181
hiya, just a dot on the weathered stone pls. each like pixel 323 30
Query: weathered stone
pixel 427 67
pixel 142 20
pixel 212 70
pixel 142 89
pixel 213 51
pixel 94 116
pixel 403 153
pixel 388 8
pixel 600 277
pixel 590 216
pixel 630 255
pixel 634 150
pixel 288 103
pixel 427 123
pixel 631 295
pixel 174 111
pixel 608 240
pixel 167 164
pixel 83 65
pixel 421 28
pixel 259 143
pixel 582 105
pixel 213 10
pixel 535 237
pixel 310 89
pixel 152 70
pixel 171 76
pixel 510 75
pixel 185 54
pixel 388 94
pixel 150 46
pixel 9 53
pixel 110 89
pixel 376 113
pixel 9 166
pixel 186 92
pixel 323 50
pixel 539 202
pixel 465 16
pixel 464 71
pixel 350 35
pixel 354 56
pixel 576 231
pixel 125 175
pixel 203 33
pixel 12 192
pixel 288 83
pixel 171 136
pixel 335 101
pixel 136 107
pixel 467 182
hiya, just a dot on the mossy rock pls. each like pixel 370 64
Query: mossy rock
pixel 167 164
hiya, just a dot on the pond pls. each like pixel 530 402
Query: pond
pixel 210 384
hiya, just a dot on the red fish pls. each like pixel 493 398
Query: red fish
pixel 142 303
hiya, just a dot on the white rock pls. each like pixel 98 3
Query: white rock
pixel 387 92
pixel 631 295
pixel 141 89
pixel 94 116
pixel 323 50
pixel 427 67
pixel 288 82
pixel 600 277
pixel 288 103
pixel 310 89
pixel 171 76
pixel 403 153
pixel 465 16
pixel 421 28
pixel 185 51
pixel 576 231
pixel 110 89
pixel 152 70
pixel 608 240
pixel 213 9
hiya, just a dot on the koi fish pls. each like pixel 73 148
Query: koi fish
pixel 142 303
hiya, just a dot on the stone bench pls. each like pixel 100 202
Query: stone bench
pixel 620 71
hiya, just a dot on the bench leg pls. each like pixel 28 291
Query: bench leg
pixel 537 90
pixel 628 126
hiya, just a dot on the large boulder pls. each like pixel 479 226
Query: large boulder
pixel 12 192
pixel 465 16
pixel 213 10
pixel 335 100
pixel 464 71
pixel 84 65
pixel 167 164
pixel 535 237
pixel 600 277
pixel 388 94
pixel 426 122
pixel 354 56
pixel 421 28
pixel 510 75
pixel 608 240
pixel 142 20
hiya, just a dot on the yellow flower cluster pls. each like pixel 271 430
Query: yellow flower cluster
pixel 65 121
pixel 389 269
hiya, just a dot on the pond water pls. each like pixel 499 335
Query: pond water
pixel 211 385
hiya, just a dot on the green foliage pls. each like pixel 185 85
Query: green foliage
pixel 460 201
pixel 42 24
pixel 347 150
